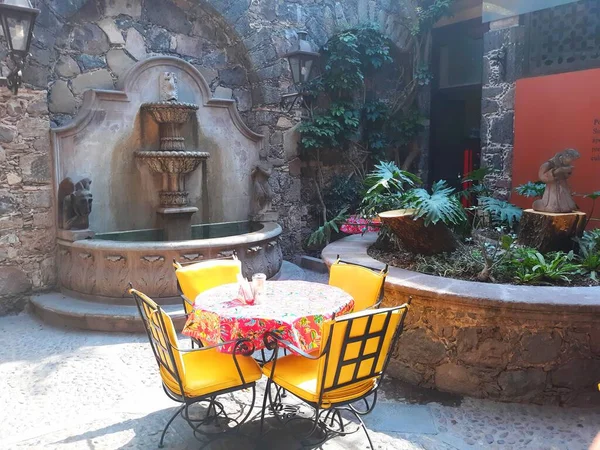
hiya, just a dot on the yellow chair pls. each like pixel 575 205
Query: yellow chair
pixel 195 278
pixel 355 352
pixel 364 284
pixel 198 375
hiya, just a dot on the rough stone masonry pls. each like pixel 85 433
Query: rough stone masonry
pixel 27 234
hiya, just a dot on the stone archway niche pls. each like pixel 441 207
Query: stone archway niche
pixel 101 141
pixel 100 144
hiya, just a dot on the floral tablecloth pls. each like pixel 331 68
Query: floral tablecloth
pixel 296 309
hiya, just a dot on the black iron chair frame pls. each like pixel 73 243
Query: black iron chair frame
pixel 186 301
pixel 332 414
pixel 216 411
pixel 383 271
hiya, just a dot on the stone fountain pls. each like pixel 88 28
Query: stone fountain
pixel 172 159
pixel 122 140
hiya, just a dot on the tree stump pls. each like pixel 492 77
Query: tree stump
pixel 415 236
pixel 549 232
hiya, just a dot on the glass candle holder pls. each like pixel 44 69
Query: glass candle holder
pixel 259 285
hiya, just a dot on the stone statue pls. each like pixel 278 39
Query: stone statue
pixel 168 87
pixel 74 204
pixel 555 172
pixel 263 194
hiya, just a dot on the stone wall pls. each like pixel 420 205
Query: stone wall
pixel 236 44
pixel 502 65
pixel 511 343
pixel 27 235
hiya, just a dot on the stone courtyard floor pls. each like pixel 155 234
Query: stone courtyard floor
pixel 68 389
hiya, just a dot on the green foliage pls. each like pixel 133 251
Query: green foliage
pixel 351 55
pixel 428 13
pixel 478 186
pixel 589 252
pixel 462 263
pixel 385 188
pixel 502 212
pixel 342 192
pixel 593 195
pixel 330 128
pixel 439 206
pixel 531 189
pixel 531 267
pixel 403 128
pixel 322 235
pixel 388 177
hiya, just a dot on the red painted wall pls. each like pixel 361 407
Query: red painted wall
pixel 553 113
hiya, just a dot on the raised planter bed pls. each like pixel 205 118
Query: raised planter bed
pixel 505 342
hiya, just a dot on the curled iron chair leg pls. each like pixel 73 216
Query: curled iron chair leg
pixel 162 436
pixel 363 426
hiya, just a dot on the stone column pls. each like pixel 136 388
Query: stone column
pixel 503 60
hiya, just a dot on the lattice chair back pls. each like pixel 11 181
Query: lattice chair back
pixel 357 350
pixel 193 279
pixel 163 340
pixel 364 284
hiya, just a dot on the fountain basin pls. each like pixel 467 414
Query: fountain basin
pixel 100 269
pixel 170 112
pixel 172 161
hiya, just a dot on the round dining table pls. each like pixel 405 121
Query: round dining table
pixel 294 309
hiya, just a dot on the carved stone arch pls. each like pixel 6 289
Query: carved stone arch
pixel 100 144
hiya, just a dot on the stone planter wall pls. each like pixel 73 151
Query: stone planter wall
pixel 509 343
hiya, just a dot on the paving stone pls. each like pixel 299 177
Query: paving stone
pixel 398 418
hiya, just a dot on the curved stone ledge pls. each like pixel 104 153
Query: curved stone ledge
pixel 100 270
pixel 511 343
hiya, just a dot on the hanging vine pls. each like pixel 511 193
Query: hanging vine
pixel 358 113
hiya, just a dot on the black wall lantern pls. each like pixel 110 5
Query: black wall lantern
pixel 18 18
pixel 303 65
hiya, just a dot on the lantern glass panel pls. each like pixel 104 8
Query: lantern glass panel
pixel 19 32
pixel 295 67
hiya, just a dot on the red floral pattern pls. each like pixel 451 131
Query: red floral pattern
pixel 296 309
pixel 358 225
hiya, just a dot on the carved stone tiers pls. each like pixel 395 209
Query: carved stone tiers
pixel 172 160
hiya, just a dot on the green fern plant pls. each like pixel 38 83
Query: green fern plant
pixel 501 212
pixel 385 187
pixel 322 235
pixel 531 189
pixel 387 177
pixel 589 252
pixel 532 267
pixel 439 206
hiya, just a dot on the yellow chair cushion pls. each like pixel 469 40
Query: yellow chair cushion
pixel 364 285
pixel 197 278
pixel 208 371
pixel 299 376
pixel 306 378
pixel 201 371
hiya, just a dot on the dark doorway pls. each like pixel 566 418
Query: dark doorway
pixel 455 145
